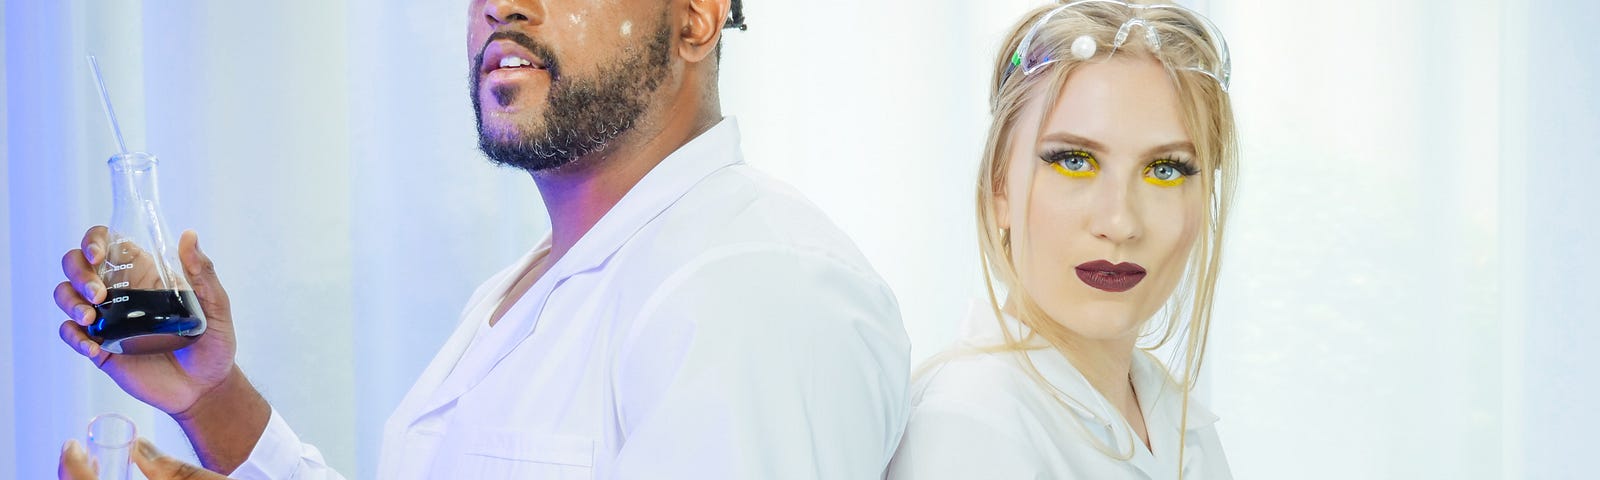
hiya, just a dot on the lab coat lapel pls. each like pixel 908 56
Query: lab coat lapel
pixel 450 355
pixel 1155 392
pixel 669 180
pixel 1161 400
pixel 477 360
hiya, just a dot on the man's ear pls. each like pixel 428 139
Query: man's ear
pixel 700 28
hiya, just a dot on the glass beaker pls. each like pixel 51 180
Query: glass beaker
pixel 149 306
pixel 110 442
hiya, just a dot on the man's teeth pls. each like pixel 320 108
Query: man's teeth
pixel 513 62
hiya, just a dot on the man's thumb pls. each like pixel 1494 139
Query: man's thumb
pixel 202 273
pixel 157 466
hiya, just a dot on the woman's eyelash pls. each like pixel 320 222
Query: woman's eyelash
pixel 1058 156
pixel 1184 166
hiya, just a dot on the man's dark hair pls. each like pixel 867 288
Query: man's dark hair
pixel 735 20
pixel 736 17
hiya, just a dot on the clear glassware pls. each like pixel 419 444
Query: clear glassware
pixel 149 305
pixel 110 442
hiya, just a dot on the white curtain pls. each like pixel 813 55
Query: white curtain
pixel 1407 283
pixel 326 154
pixel 1359 331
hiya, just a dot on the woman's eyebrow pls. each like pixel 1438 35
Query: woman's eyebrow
pixel 1184 146
pixel 1065 137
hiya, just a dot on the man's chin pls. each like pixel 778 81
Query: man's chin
pixel 516 148
pixel 513 117
pixel 506 130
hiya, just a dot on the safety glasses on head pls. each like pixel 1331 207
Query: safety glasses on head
pixel 1028 61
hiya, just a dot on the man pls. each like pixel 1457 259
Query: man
pixel 686 318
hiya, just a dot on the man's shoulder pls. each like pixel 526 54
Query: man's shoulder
pixel 738 209
pixel 749 199
pixel 740 240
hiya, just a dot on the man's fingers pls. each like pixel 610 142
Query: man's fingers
pixel 82 275
pixel 94 244
pixel 72 304
pixel 74 463
pixel 73 335
pixel 157 466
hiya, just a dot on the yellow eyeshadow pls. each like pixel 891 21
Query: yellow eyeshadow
pixel 1159 182
pixel 1070 173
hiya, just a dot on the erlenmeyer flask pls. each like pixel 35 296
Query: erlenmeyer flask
pixel 149 306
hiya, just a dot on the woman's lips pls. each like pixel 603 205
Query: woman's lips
pixel 1115 278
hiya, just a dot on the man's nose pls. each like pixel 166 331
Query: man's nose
pixel 503 12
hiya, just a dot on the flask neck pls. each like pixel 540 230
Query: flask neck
pixel 133 179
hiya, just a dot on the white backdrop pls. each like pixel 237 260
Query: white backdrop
pixel 1406 283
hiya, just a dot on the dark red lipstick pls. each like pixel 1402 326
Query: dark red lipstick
pixel 1114 278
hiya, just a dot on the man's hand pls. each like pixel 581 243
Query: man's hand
pixel 75 464
pixel 198 385
pixel 173 381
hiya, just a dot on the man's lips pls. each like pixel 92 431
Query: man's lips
pixel 1114 278
pixel 506 54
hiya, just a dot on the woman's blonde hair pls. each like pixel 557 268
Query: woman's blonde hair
pixel 1207 117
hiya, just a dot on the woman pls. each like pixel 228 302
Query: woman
pixel 1101 202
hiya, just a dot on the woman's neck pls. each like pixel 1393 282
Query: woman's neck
pixel 1108 366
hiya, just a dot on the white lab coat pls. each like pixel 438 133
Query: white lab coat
pixel 980 415
pixel 713 325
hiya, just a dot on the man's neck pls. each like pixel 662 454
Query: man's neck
pixel 578 195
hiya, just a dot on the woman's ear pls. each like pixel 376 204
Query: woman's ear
pixel 1001 206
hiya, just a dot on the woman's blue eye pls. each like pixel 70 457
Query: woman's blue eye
pixel 1076 164
pixel 1165 173
pixel 1168 173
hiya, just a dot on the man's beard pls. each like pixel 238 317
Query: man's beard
pixel 582 115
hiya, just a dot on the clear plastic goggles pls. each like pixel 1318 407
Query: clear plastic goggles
pixel 1028 61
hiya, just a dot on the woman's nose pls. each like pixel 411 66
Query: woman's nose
pixel 1112 216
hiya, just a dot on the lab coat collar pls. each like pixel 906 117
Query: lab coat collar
pixel 675 176
pixel 1158 392
pixel 1160 397
pixel 712 150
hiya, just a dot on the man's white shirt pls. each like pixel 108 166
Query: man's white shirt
pixel 713 324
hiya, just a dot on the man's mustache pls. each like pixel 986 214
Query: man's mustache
pixel 545 54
